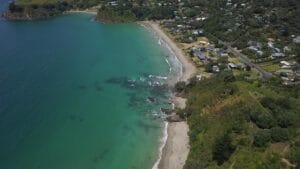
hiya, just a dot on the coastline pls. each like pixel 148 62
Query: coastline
pixel 175 148
pixel 82 11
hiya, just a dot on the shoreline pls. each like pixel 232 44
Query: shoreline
pixel 175 148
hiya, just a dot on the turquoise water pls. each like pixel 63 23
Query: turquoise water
pixel 76 94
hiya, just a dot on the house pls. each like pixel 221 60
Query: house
pixel 197 32
pixel 200 54
pixel 270 44
pixel 253 48
pixel 277 55
pixel 286 49
pixel 232 66
pixel 286 67
pixel 216 68
pixel 180 26
pixel 113 3
pixel 199 77
pixel 289 78
pixel 225 55
pixel 296 39
pixel 200 18
pixel 259 52
pixel 285 63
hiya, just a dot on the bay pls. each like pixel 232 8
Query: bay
pixel 78 94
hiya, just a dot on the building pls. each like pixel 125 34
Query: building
pixel 232 66
pixel 296 39
pixel 277 55
pixel 216 68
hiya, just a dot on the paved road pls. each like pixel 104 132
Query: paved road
pixel 243 58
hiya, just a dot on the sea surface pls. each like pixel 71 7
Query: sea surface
pixel 78 94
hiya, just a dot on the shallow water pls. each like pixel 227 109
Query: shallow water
pixel 77 94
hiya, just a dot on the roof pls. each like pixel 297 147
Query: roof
pixel 288 71
pixel 285 63
pixel 232 65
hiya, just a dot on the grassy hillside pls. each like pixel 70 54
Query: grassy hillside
pixel 243 124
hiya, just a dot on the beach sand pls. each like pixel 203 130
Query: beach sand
pixel 176 149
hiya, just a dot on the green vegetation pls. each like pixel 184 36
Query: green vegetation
pixel 240 123
pixel 108 14
pixel 39 9
pixel 108 11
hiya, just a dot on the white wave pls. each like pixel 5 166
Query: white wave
pixel 170 67
pixel 159 41
pixel 161 77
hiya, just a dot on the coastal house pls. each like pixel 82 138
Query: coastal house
pixel 296 40
pixel 285 63
pixel 224 54
pixel 200 18
pixel 113 3
pixel 199 77
pixel 232 66
pixel 197 32
pixel 286 49
pixel 277 55
pixel 253 48
pixel 200 53
pixel 215 68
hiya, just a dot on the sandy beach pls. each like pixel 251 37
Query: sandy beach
pixel 176 149
pixel 92 12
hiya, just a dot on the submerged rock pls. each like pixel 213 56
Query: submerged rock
pixel 166 111
pixel 151 99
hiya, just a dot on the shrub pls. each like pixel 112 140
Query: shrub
pixel 265 121
pixel 227 77
pixel 261 138
pixel 286 119
pixel 267 102
pixel 208 68
pixel 279 134
pixel 295 156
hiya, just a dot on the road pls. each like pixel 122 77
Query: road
pixel 243 58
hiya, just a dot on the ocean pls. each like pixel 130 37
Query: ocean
pixel 79 94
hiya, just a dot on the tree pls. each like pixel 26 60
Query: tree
pixel 261 138
pixel 279 134
pixel 14 8
pixel 208 67
pixel 229 78
pixel 295 156
pixel 223 149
